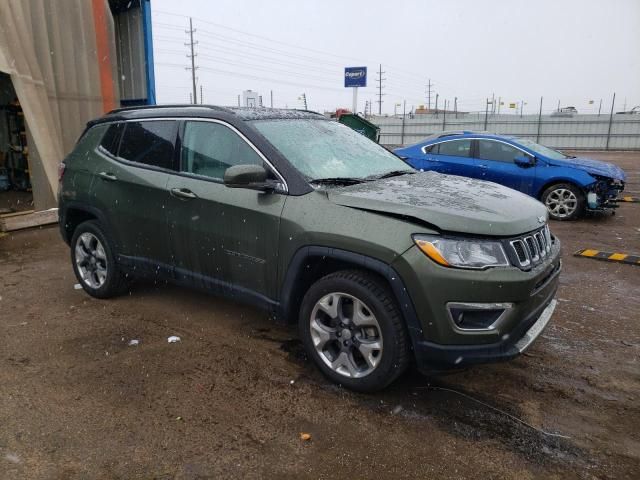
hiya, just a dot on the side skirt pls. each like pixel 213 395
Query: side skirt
pixel 146 268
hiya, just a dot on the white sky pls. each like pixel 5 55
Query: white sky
pixel 568 50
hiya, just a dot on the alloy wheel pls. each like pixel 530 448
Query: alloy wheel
pixel 561 203
pixel 346 335
pixel 91 260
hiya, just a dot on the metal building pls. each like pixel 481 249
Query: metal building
pixel 251 99
pixel 63 63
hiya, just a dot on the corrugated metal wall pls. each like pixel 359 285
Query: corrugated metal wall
pixel 130 48
pixel 577 132
pixel 61 68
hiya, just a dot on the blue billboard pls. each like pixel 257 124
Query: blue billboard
pixel 355 76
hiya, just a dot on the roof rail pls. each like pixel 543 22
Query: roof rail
pixel 151 107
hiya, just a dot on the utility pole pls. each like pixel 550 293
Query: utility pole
pixel 201 102
pixel 429 89
pixel 238 100
pixel 600 107
pixel 486 113
pixel 193 67
pixel 304 101
pixel 521 107
pixel 613 102
pixel 271 93
pixel 455 106
pixel 404 114
pixel 380 79
pixel 437 96
pixel 444 116
pixel 493 103
pixel 539 121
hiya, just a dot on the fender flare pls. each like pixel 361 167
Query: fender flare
pixel 73 205
pixel 287 310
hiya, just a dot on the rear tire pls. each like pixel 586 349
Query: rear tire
pixel 94 263
pixel 564 201
pixel 352 328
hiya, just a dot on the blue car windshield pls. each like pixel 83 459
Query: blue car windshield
pixel 542 150
pixel 322 149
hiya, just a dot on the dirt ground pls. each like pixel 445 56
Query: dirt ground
pixel 231 399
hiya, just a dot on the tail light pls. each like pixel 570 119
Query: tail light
pixel 61 169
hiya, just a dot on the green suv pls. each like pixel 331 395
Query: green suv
pixel 379 264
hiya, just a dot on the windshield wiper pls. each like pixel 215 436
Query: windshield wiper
pixel 338 180
pixel 393 173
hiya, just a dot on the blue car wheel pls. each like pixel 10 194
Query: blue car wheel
pixel 564 201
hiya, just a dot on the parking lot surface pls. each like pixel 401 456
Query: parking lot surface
pixel 231 399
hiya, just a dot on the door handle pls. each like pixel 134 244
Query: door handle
pixel 184 193
pixel 110 177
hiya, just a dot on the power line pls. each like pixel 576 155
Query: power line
pixel 405 73
pixel 254 77
pixel 404 83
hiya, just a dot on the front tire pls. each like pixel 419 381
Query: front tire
pixel 94 262
pixel 564 201
pixel 351 327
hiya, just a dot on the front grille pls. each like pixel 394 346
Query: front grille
pixel 532 249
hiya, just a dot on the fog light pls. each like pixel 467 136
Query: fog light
pixel 477 316
pixel 592 200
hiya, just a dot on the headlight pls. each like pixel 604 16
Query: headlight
pixel 462 253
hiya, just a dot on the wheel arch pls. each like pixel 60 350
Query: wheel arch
pixel 558 181
pixel 73 214
pixel 311 263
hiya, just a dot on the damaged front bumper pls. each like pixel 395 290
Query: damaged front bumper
pixel 603 195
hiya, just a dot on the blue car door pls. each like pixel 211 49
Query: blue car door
pixel 496 162
pixel 452 157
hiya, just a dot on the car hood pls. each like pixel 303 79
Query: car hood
pixel 594 167
pixel 450 203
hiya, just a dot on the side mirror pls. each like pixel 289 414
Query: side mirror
pixel 525 161
pixel 247 176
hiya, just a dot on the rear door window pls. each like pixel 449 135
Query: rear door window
pixel 149 143
pixel 497 151
pixel 456 148
pixel 209 148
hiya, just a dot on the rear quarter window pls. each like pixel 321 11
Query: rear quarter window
pixel 87 143
pixel 111 139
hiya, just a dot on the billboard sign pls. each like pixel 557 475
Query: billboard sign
pixel 355 77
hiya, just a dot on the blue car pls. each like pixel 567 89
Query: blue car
pixel 568 186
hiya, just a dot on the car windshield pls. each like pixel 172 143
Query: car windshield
pixel 322 149
pixel 542 150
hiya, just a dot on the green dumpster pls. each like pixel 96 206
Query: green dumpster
pixel 360 125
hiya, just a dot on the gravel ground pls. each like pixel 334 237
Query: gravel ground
pixel 231 399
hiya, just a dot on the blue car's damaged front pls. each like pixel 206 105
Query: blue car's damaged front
pixel 567 185
pixel 604 185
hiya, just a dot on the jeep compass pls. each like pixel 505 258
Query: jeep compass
pixel 379 264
